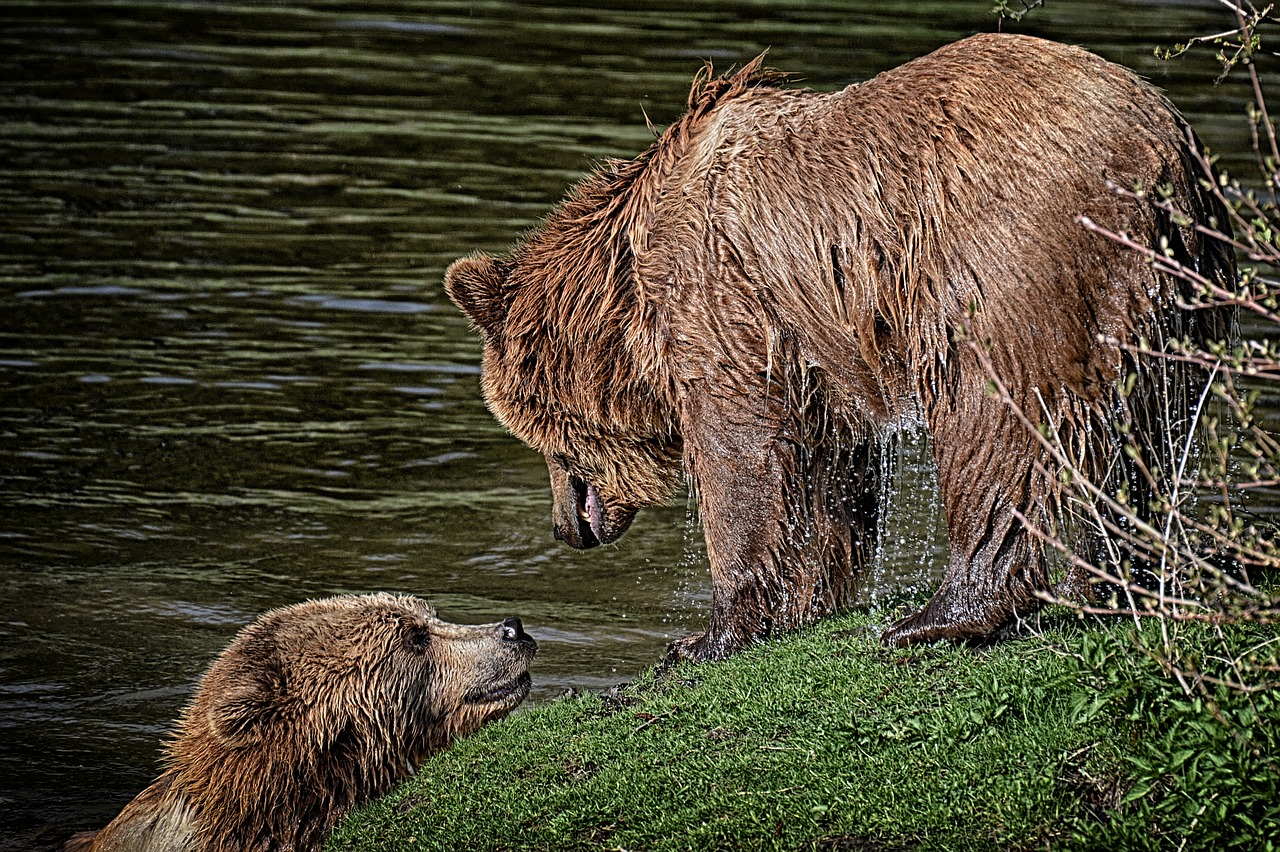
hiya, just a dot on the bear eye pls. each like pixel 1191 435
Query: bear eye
pixel 417 638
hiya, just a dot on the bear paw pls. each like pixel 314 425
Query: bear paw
pixel 946 617
pixel 915 629
pixel 700 648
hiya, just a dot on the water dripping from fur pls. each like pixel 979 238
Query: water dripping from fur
pixel 910 553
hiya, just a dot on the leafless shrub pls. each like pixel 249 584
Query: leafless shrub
pixel 1203 550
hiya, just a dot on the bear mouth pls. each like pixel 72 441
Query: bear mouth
pixel 512 691
pixel 589 510
pixel 582 520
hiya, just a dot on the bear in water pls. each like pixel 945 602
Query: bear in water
pixel 311 710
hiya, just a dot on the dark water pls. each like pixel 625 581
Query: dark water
pixel 231 379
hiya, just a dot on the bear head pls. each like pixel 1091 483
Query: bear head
pixel 376 677
pixel 559 373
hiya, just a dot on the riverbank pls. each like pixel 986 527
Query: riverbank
pixel 1063 739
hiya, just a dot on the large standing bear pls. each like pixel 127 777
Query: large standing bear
pixel 785 277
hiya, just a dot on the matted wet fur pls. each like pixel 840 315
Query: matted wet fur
pixel 311 710
pixel 785 277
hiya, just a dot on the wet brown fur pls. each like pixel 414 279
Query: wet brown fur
pixel 786 277
pixel 312 709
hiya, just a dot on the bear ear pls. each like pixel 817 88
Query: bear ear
pixel 478 285
pixel 238 715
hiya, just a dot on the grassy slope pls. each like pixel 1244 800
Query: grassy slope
pixel 824 740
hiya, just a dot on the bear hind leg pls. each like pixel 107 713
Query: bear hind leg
pixel 985 588
pixel 993 480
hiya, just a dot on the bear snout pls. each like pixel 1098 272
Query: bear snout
pixel 581 517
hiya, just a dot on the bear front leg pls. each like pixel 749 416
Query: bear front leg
pixel 789 524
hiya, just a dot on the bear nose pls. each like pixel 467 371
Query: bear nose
pixel 513 630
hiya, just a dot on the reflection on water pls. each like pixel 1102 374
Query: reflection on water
pixel 231 379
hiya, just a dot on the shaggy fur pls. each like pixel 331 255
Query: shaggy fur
pixel 786 277
pixel 312 709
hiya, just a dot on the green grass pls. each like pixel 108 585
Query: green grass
pixel 827 740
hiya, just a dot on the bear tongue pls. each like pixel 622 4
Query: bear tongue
pixel 595 512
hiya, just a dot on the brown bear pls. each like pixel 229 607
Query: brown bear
pixel 786 277
pixel 312 709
